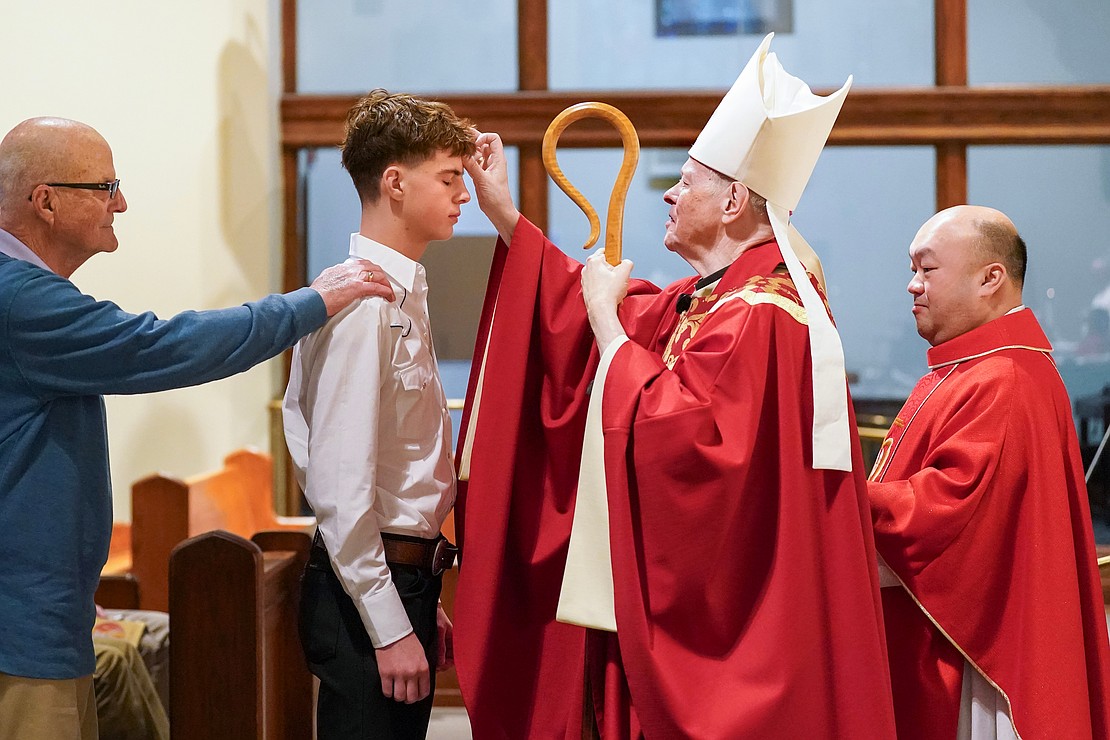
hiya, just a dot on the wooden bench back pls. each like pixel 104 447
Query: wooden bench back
pixel 236 667
pixel 119 550
pixel 237 498
pixel 165 511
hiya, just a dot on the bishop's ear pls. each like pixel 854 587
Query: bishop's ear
pixel 736 198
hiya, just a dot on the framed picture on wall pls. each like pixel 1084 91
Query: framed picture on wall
pixel 722 17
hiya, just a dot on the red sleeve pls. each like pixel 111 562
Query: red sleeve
pixel 515 511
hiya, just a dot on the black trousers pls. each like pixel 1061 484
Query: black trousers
pixel 351 704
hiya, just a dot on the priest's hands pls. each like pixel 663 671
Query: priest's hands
pixel 490 174
pixel 603 288
pixel 403 668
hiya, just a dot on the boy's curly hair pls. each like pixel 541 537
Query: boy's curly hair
pixel 386 128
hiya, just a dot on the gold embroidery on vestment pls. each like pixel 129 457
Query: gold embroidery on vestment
pixel 690 321
pixel 797 312
pixel 775 290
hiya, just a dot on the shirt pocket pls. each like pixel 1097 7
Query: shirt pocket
pixel 413 382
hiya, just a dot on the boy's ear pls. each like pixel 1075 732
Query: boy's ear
pixel 392 183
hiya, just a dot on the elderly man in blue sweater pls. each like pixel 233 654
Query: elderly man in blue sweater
pixel 60 352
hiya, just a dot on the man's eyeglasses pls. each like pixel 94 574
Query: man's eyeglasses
pixel 112 187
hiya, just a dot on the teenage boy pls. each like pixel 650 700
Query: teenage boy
pixel 367 426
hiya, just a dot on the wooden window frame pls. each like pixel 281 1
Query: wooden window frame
pixel 949 116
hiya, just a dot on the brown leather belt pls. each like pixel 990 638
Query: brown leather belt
pixel 436 554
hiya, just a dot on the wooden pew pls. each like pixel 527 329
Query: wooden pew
pixel 165 511
pixel 119 550
pixel 236 667
pixel 118 592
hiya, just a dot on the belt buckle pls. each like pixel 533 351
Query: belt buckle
pixel 443 557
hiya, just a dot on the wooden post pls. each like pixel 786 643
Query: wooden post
pixel 951 70
pixel 532 75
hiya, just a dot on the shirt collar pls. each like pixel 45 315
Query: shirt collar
pixel 16 249
pixel 1015 330
pixel 760 259
pixel 399 267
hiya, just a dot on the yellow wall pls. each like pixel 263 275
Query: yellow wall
pixel 186 94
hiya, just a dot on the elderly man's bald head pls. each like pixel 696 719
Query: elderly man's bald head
pixel 42 150
pixel 58 191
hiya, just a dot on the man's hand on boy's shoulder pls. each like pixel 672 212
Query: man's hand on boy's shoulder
pixel 342 284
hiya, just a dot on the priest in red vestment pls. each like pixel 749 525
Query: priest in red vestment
pixel 994 612
pixel 664 520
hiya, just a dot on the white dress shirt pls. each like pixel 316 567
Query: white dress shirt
pixel 368 429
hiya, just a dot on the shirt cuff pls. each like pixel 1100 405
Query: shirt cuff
pixel 384 616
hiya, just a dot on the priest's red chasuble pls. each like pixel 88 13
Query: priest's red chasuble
pixel 981 511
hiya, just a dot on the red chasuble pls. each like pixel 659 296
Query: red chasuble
pixel 745 590
pixel 981 510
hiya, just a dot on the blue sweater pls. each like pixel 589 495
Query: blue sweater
pixel 60 351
